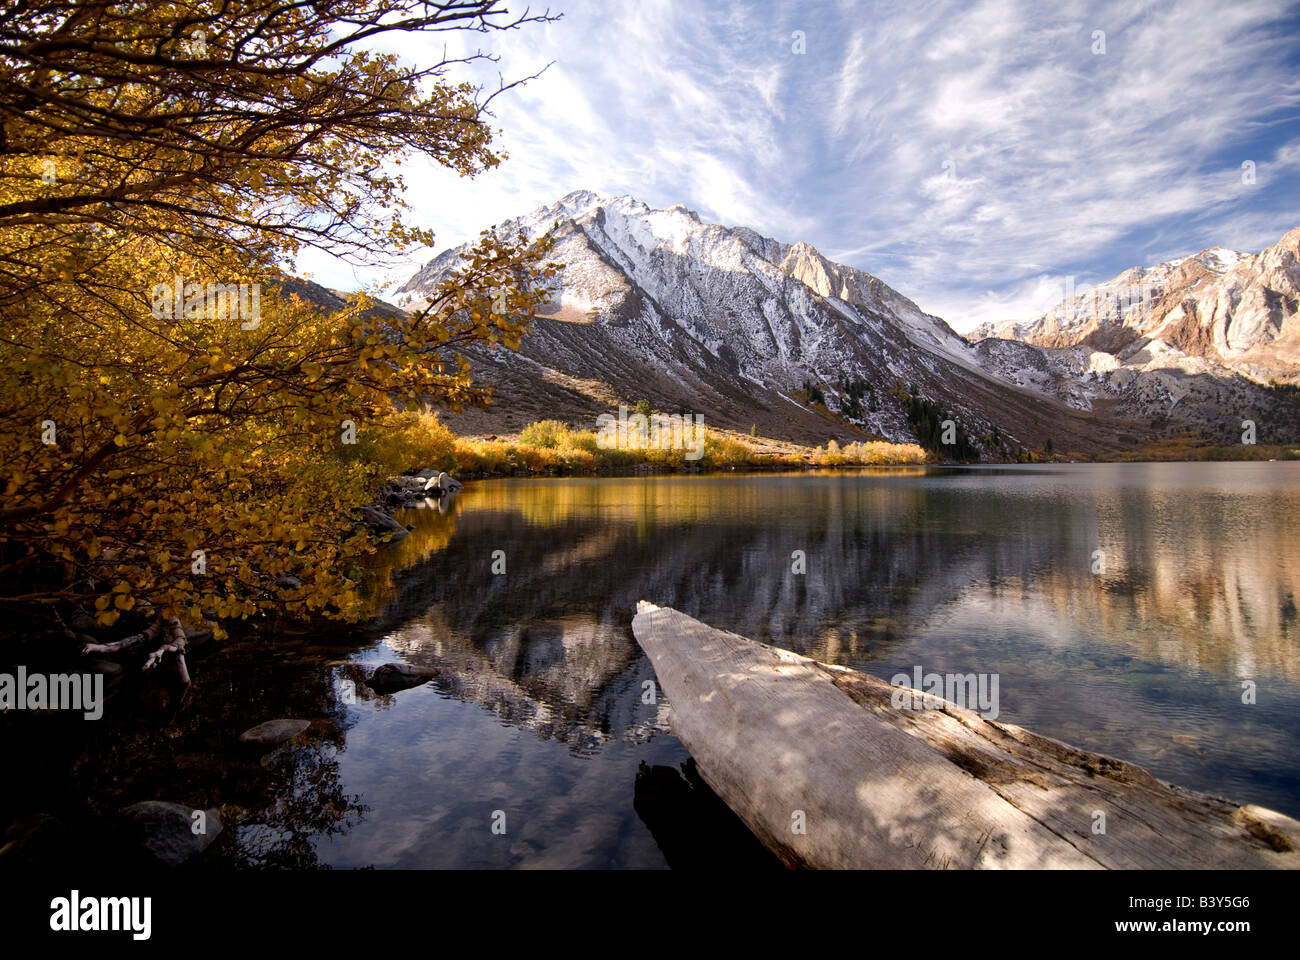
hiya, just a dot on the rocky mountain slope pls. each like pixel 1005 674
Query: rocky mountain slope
pixel 1198 338
pixel 1232 309
pixel 749 331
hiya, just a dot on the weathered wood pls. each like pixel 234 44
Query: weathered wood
pixel 166 632
pixel 777 735
pixel 174 642
pixel 125 645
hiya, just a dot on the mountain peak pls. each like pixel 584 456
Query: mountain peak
pixel 654 304
pixel 577 203
pixel 579 197
pixel 1216 307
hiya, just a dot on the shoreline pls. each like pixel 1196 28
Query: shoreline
pixel 805 466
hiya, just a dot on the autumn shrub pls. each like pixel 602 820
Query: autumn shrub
pixel 411 440
pixel 586 441
pixel 550 446
pixel 722 452
pixel 868 453
pixel 544 433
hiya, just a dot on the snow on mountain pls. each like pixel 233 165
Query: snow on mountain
pixel 656 304
pixel 1231 309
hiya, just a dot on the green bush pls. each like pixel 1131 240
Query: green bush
pixel 544 433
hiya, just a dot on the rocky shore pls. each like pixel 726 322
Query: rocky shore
pixel 422 489
pixel 161 831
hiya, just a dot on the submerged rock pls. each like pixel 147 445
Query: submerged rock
pixel 392 677
pixel 274 732
pixel 170 831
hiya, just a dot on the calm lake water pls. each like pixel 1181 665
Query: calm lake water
pixel 538 712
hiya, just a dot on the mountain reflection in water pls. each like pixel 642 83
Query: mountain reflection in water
pixel 539 710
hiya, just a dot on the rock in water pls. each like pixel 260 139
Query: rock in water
pixel 274 732
pixel 443 483
pixel 381 522
pixel 391 677
pixel 168 830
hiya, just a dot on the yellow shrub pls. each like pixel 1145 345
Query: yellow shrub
pixel 544 433
pixel 411 440
pixel 586 441
pixel 868 452
pixel 725 452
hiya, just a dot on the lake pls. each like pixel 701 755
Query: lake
pixel 538 724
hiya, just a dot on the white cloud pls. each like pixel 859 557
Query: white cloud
pixel 1063 161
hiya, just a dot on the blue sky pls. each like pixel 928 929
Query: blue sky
pixel 971 155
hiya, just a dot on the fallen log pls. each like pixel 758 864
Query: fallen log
pixel 828 773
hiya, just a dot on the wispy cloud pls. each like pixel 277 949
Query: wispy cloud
pixel 968 154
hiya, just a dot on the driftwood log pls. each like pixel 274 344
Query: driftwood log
pixel 792 744
pixel 163 636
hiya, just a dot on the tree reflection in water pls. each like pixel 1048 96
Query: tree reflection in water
pixel 540 701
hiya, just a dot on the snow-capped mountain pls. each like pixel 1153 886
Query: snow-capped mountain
pixel 1197 340
pixel 1237 310
pixel 658 305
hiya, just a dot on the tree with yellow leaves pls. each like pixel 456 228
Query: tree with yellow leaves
pixel 177 425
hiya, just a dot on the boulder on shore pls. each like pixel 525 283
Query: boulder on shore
pixel 381 522
pixel 442 484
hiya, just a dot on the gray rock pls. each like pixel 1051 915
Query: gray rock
pixel 274 732
pixel 442 484
pixel 391 677
pixel 167 830
pixel 382 523
pixel 82 622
